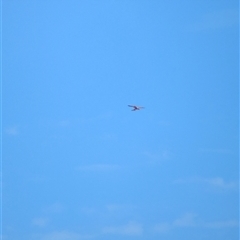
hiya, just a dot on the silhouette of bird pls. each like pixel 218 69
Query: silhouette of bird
pixel 135 107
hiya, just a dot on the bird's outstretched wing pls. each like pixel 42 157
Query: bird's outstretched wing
pixel 135 107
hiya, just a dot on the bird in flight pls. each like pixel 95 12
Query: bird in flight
pixel 135 107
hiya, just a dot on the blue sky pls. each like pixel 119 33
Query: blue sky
pixel 77 163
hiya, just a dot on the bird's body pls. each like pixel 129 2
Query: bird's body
pixel 135 107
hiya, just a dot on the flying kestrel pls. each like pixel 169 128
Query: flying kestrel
pixel 135 107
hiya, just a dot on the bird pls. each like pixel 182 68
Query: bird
pixel 135 107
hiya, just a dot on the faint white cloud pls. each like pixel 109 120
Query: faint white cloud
pixel 114 207
pixel 187 220
pixel 54 208
pixel 65 235
pixel 112 211
pixel 118 210
pixel 39 178
pixel 186 181
pixel 88 210
pixel 216 182
pixel 13 131
pixel 99 167
pixel 97 118
pixel 216 20
pixel 64 123
pixel 162 227
pixel 131 229
pixel 220 183
pixel 191 220
pixel 164 123
pixel 222 224
pixel 108 137
pixel 118 207
pixel 216 150
pixel 158 157
pixel 40 222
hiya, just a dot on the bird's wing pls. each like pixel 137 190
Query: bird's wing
pixel 131 106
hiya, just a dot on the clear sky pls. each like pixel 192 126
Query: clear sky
pixel 77 163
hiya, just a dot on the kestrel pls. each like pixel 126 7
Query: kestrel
pixel 135 107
